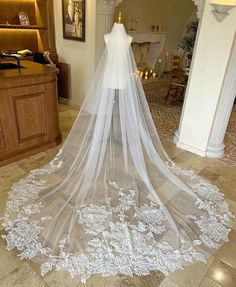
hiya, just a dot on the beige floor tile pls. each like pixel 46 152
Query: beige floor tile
pixel 227 252
pixel 35 267
pixel 28 274
pixel 222 273
pixel 168 283
pixel 123 282
pixel 63 279
pixel 227 184
pixel 3 200
pixel 189 160
pixel 221 168
pixel 10 173
pixel 209 174
pixel 6 184
pixel 171 149
pixel 34 161
pixel 207 282
pixel 51 153
pixel 8 260
pixel 66 120
pixel 63 108
pixel 232 207
pixel 152 280
pixel 192 275
pixel 23 276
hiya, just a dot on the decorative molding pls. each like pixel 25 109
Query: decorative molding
pixel 107 7
pixel 155 41
pixel 191 149
pixel 147 36
pixel 200 7
pixel 215 151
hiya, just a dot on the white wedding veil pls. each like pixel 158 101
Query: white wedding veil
pixel 111 201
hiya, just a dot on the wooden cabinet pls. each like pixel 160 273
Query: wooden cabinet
pixel 63 80
pixel 38 36
pixel 28 111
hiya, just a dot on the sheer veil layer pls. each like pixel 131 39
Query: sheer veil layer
pixel 112 201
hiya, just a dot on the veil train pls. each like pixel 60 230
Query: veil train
pixel 112 201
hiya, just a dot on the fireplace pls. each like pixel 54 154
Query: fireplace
pixel 147 47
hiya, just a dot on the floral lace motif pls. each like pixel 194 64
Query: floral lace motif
pixel 116 246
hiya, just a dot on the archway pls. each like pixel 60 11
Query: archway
pixel 104 20
pixel 200 61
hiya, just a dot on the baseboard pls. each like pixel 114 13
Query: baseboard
pixel 191 149
pixel 68 102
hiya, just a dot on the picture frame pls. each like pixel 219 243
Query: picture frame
pixel 23 19
pixel 73 13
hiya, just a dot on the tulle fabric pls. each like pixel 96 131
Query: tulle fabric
pixel 112 202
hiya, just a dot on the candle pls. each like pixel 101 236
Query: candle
pixel 159 60
pixel 154 75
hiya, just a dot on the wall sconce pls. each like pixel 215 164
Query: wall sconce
pixel 221 8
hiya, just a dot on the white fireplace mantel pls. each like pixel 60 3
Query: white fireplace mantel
pixel 156 42
pixel 151 37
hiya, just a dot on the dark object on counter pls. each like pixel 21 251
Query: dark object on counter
pixel 39 58
pixel 4 56
pixel 6 66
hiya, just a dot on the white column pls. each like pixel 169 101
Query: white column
pixel 216 145
pixel 200 7
pixel 104 22
pixel 211 55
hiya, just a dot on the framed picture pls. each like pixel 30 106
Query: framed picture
pixel 23 18
pixel 74 19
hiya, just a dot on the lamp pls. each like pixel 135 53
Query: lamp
pixel 221 8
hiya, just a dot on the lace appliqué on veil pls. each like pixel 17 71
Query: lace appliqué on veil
pixel 115 246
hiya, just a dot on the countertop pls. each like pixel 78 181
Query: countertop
pixel 29 69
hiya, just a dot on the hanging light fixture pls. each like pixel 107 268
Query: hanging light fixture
pixel 222 8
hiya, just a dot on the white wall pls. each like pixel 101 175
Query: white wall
pixel 208 70
pixel 171 16
pixel 80 55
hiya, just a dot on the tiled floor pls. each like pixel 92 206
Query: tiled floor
pixel 166 115
pixel 220 270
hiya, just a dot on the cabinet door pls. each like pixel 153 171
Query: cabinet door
pixel 28 106
pixel 3 144
pixel 6 139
